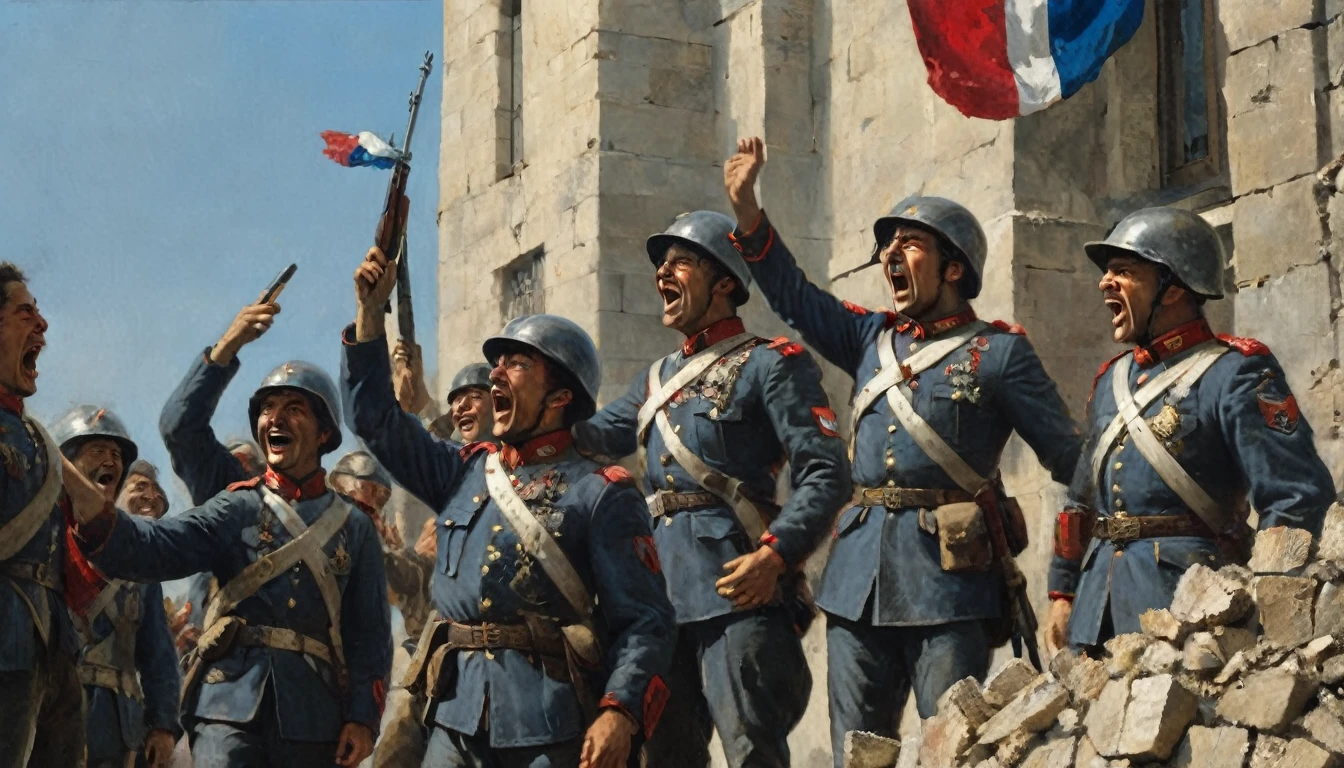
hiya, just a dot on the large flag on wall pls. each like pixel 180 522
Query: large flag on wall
pixel 999 59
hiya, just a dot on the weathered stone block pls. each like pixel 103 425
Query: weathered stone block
pixel 1205 598
pixel 1004 685
pixel 1325 729
pixel 1266 701
pixel 1249 23
pixel 1282 549
pixel 1281 231
pixel 1053 754
pixel 946 738
pixel 1015 747
pixel 1124 652
pixel 1105 716
pixel 1033 710
pixel 1331 546
pixel 1273 752
pixel 1233 639
pixel 1202 654
pixel 1087 677
pixel 1212 748
pixel 1318 651
pixel 1285 609
pixel 1332 672
pixel 1329 617
pixel 1067 723
pixel 966 697
pixel 868 750
pixel 1160 623
pixel 1087 756
pixel 1159 710
pixel 1160 658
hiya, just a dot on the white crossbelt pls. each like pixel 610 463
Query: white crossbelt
pixel 15 534
pixel 695 367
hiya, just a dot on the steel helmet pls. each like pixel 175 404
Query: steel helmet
pixel 1180 240
pixel 87 422
pixel 473 376
pixel 313 383
pixel 562 341
pixel 361 466
pixel 947 218
pixel 705 232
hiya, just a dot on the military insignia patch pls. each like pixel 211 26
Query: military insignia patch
pixel 655 701
pixel 826 421
pixel 15 463
pixel 214 676
pixel 1166 423
pixel 340 560
pixel 1280 415
pixel 965 378
pixel 648 553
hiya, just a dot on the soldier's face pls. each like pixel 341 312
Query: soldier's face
pixel 688 285
pixel 519 394
pixel 100 461
pixel 912 265
pixel 471 413
pixel 1127 288
pixel 142 496
pixel 290 433
pixel 22 337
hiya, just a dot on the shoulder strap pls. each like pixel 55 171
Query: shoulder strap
pixel 535 539
pixel 1166 465
pixel 20 530
pixel 1180 377
pixel 695 367
pixel 104 601
pixel 252 578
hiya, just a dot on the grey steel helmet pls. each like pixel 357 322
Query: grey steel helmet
pixel 361 466
pixel 88 422
pixel 1180 240
pixel 950 219
pixel 313 383
pixel 561 340
pixel 707 233
pixel 473 376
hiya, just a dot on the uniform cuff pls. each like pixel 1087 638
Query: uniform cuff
pixel 1063 577
pixel 755 244
pixel 1061 596
pixel 789 555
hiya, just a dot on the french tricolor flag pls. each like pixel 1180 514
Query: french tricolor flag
pixel 1000 59
pixel 354 150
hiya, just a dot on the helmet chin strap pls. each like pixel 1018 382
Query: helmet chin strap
pixel 1163 283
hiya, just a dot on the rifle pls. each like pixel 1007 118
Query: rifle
pixel 405 310
pixel 1003 540
pixel 392 224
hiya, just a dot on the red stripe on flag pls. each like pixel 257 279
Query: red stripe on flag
pixel 965 48
pixel 339 146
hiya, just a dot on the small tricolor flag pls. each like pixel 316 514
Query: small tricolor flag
pixel 1000 59
pixel 363 149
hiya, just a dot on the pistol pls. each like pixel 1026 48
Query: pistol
pixel 277 285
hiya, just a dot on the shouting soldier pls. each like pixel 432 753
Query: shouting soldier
pixel 142 494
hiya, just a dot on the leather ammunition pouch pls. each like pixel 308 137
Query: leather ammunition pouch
pixel 963 539
pixel 1073 530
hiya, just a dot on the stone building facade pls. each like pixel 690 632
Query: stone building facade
pixel 573 129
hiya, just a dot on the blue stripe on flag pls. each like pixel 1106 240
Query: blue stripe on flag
pixel 361 157
pixel 1084 33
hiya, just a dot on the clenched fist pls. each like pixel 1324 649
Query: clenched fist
pixel 739 179
pixel 251 322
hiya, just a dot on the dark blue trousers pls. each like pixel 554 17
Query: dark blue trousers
pixel 450 749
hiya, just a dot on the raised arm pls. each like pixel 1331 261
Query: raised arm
pixel 125 546
pixel 612 433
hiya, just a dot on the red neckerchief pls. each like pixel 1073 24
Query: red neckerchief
pixel 11 403
pixel 83 582
pixel 724 329
pixel 920 330
pixel 538 450
pixel 313 486
pixel 1173 342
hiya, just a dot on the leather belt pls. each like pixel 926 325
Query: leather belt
pixel 901 498
pixel 124 683
pixel 39 573
pixel 516 637
pixel 283 640
pixel 669 502
pixel 1120 529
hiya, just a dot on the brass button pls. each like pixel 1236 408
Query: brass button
pixel 485 569
pixel 671 480
pixel 475 499
pixel 1119 503
pixel 485 604
pixel 494 556
pixel 891 428
pixel 292 603
pixel 514 478
pixel 489 547
pixel 518 546
pixel 496 528
pixel 1118 465
pixel 891 462
pixel 1115 489
pixel 665 459
pixel 891 483
pixel 914 346
pixel 489 655
pixel 667 521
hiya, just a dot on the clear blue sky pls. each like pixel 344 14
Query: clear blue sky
pixel 164 164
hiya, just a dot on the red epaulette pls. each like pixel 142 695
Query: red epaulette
pixel 855 308
pixel 616 475
pixel 1245 346
pixel 471 449
pixel 1106 366
pixel 241 484
pixel 787 348
pixel 1012 328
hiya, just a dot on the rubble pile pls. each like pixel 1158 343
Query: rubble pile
pixel 1246 668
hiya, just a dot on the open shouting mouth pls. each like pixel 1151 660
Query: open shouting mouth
pixel 503 403
pixel 28 363
pixel 103 477
pixel 900 279
pixel 278 440
pixel 1117 307
pixel 672 297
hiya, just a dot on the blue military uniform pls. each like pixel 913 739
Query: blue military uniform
pixel 40 700
pixel 198 458
pixel 1238 433
pixel 491 699
pixel 130 636
pixel 895 617
pixel 759 405
pixel 260 705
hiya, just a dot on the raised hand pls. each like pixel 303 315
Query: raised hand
pixel 251 322
pixel 739 179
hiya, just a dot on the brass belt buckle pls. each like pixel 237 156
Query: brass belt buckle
pixel 655 502
pixel 893 498
pixel 489 634
pixel 1123 529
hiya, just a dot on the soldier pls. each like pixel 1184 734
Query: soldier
pixel 292 666
pixel 142 494
pixel 38 683
pixel 515 672
pixel 127 665
pixel 911 591
pixel 1184 430
pixel 469 405
pixel 716 420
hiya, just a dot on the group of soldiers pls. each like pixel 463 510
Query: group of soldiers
pixel 559 616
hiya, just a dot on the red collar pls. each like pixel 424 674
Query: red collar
pixel 724 329
pixel 313 486
pixel 942 325
pixel 538 450
pixel 1173 342
pixel 11 403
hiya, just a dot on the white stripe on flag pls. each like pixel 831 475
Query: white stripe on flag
pixel 1028 27
pixel 375 146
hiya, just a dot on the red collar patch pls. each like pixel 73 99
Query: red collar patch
pixel 724 329
pixel 11 403
pixel 538 450
pixel 1173 342
pixel 309 488
pixel 920 330
pixel 1247 347
pixel 471 449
